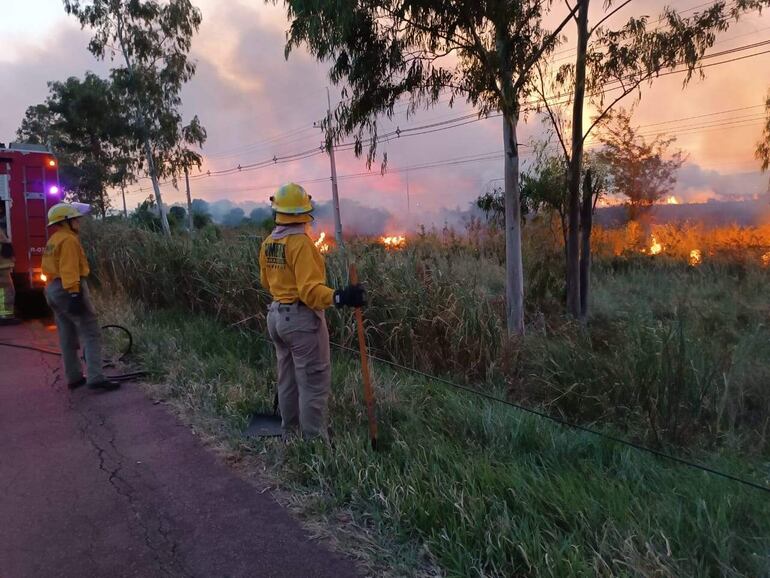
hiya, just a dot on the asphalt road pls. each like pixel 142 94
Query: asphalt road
pixel 113 485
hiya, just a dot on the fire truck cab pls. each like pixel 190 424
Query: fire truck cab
pixel 29 186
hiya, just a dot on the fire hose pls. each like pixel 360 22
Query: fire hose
pixel 129 376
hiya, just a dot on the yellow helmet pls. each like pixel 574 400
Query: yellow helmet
pixel 62 212
pixel 291 199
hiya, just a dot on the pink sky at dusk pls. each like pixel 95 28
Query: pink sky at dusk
pixel 249 97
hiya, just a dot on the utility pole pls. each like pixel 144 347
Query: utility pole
pixel 335 191
pixel 123 192
pixel 408 198
pixel 189 200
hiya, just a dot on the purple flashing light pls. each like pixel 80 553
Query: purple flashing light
pixel 53 190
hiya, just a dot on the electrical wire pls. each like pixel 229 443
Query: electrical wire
pixel 449 123
pixel 558 420
pixel 708 126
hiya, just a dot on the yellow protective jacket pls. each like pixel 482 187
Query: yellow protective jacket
pixel 293 269
pixel 64 259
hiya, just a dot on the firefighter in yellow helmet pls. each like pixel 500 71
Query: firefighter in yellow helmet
pixel 65 265
pixel 292 269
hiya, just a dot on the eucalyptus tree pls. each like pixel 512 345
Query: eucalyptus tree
pixel 153 40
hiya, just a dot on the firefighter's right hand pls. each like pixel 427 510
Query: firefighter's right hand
pixel 350 296
pixel 76 305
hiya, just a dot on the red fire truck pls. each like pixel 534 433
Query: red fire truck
pixel 29 186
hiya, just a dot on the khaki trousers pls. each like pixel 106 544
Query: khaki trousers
pixel 7 293
pixel 76 329
pixel 301 341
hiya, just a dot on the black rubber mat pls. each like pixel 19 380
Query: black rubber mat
pixel 264 425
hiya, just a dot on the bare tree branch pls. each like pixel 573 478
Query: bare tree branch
pixel 552 114
pixel 608 16
pixel 543 47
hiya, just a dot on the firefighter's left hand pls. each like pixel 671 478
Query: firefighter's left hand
pixel 76 305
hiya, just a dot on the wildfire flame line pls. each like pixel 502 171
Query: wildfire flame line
pixel 395 242
pixel 655 246
pixel 320 243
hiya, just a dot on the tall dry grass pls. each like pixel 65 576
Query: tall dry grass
pixel 673 354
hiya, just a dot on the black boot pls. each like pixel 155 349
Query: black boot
pixel 104 385
pixel 76 384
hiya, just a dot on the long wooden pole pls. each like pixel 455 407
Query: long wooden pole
pixel 368 389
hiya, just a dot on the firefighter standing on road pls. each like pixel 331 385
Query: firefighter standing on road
pixel 7 292
pixel 292 269
pixel 65 265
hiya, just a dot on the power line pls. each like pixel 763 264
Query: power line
pixel 555 419
pixel 494 155
pixel 438 126
pixel 570 52
pixel 265 142
pixel 283 138
pixel 676 130
pixel 565 423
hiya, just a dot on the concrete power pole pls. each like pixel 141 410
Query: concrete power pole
pixel 123 192
pixel 408 196
pixel 335 190
pixel 189 201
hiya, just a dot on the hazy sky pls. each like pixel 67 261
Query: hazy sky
pixel 255 104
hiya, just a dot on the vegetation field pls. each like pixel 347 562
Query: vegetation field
pixel 674 356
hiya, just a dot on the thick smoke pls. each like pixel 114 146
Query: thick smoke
pixel 357 219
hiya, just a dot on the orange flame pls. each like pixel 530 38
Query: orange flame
pixel 672 200
pixel 766 259
pixel 321 243
pixel 696 258
pixel 395 242
pixel 655 246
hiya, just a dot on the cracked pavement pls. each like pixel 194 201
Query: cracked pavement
pixel 110 484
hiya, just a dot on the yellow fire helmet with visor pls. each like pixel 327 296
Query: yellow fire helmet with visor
pixel 66 212
pixel 291 199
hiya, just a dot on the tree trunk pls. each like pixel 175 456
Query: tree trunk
pixel 575 167
pixel 586 223
pixel 514 270
pixel 156 186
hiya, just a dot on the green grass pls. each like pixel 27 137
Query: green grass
pixel 462 485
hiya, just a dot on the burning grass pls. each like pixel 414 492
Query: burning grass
pixel 438 306
pixel 322 244
pixel 687 243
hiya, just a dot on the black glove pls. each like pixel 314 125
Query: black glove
pixel 76 305
pixel 350 296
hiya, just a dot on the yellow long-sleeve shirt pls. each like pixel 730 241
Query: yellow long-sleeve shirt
pixel 64 259
pixel 293 269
